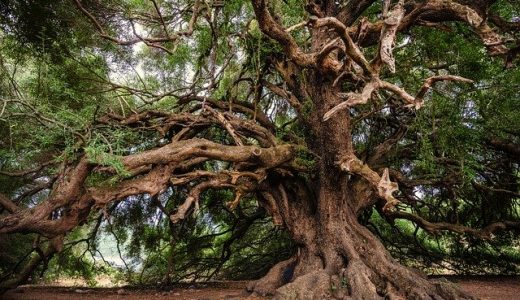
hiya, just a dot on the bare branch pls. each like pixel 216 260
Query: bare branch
pixel 351 48
pixel 354 99
pixel 385 188
pixel 391 23
pixel 418 101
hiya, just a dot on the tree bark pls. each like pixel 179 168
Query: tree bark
pixel 337 257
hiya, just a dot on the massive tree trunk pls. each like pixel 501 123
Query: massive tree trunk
pixel 337 257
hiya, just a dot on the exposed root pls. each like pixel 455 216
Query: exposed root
pixel 311 286
pixel 280 274
pixel 358 281
pixel 449 290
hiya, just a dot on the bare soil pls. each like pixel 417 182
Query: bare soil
pixel 484 287
pixel 490 287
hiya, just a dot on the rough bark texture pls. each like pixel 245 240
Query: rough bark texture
pixel 337 257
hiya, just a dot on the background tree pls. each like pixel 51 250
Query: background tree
pixel 333 116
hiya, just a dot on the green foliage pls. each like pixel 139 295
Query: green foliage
pixel 65 78
pixel 14 249
pixel 97 153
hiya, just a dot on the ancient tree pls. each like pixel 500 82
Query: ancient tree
pixel 310 108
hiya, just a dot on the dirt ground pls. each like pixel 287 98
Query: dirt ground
pixel 490 288
pixel 486 288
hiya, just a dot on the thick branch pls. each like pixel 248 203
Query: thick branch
pixel 391 23
pixel 182 150
pixel 8 204
pixel 351 49
pixel 274 30
pixel 382 184
pixel 68 189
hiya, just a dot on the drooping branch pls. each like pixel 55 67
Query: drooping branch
pixel 28 269
pixel 67 187
pixel 161 162
pixel 485 233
